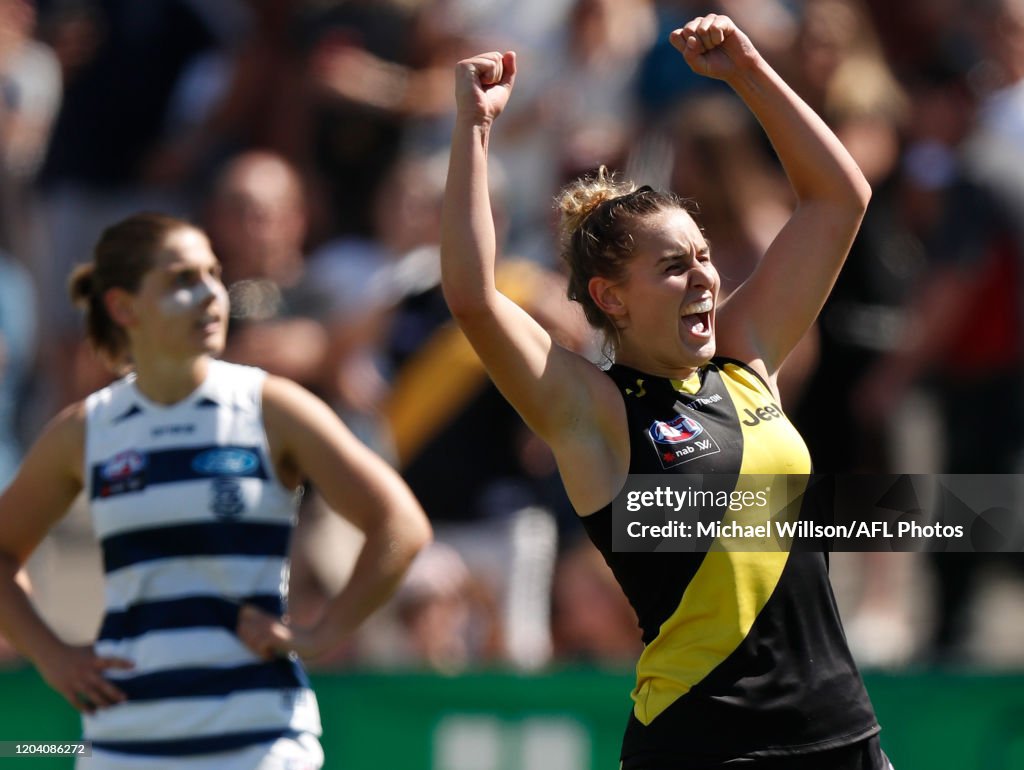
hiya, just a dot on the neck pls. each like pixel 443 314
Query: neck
pixel 167 382
pixel 653 368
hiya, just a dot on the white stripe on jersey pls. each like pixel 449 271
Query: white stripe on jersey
pixel 187 502
pixel 204 717
pixel 230 577
pixel 185 648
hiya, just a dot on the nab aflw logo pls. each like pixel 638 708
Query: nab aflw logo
pixel 682 428
pixel 680 440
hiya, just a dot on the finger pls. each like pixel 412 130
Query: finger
pixel 718 31
pixel 81 702
pixel 704 31
pixel 679 39
pixel 488 68
pixel 691 26
pixel 102 664
pixel 103 693
pixel 508 66
pixel 691 35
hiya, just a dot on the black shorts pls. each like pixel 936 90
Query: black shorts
pixel 863 755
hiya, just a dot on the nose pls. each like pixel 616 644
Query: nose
pixel 209 291
pixel 703 275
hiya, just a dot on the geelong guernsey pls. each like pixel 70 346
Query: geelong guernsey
pixel 192 521
pixel 744 652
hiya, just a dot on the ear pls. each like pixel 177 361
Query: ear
pixel 120 306
pixel 608 298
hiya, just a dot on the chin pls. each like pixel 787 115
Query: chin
pixel 214 347
pixel 706 352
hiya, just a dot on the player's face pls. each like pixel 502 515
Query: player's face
pixel 669 295
pixel 183 305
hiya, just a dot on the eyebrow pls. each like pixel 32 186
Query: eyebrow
pixel 676 255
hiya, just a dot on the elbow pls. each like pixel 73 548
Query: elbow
pixel 422 533
pixel 466 307
pixel 416 534
pixel 861 193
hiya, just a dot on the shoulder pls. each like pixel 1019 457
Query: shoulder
pixel 62 442
pixel 71 419
pixel 287 405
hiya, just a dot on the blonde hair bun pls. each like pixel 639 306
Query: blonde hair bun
pixel 579 198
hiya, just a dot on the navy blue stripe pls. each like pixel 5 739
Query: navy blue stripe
pixel 189 612
pixel 114 476
pixel 207 745
pixel 221 538
pixel 279 674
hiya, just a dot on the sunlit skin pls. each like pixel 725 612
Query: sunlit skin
pixel 669 274
pixel 178 317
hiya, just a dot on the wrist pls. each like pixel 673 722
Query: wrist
pixel 45 652
pixel 477 124
pixel 749 74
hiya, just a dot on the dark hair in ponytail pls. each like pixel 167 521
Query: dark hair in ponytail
pixel 124 253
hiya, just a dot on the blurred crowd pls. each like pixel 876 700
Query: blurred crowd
pixel 309 137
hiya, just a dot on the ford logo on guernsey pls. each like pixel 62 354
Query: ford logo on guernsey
pixel 225 462
pixel 675 431
pixel 123 465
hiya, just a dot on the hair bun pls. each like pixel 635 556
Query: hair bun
pixel 581 197
pixel 82 284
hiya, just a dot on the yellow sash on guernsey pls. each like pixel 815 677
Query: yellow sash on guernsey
pixel 734 581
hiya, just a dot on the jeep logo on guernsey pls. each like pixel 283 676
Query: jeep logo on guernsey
pixel 225 462
pixel 762 414
pixel 680 440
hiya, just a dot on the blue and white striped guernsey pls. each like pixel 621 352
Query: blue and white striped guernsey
pixel 192 521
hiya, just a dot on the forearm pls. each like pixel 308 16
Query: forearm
pixel 468 243
pixel 20 624
pixel 818 166
pixel 385 557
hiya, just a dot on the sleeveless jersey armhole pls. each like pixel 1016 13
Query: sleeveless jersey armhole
pixel 721 360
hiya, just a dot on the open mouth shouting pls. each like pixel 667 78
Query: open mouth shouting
pixel 696 317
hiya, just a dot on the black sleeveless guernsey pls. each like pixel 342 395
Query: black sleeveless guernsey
pixel 744 653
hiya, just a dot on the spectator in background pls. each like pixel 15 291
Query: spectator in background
pixel 829 34
pixel 719 160
pixel 257 218
pixel 660 85
pixel 863 316
pixel 121 62
pixel 17 356
pixel 30 92
pixel 371 68
pixel 861 321
pixel 964 341
pixel 441 619
pixel 488 486
pixel 579 114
